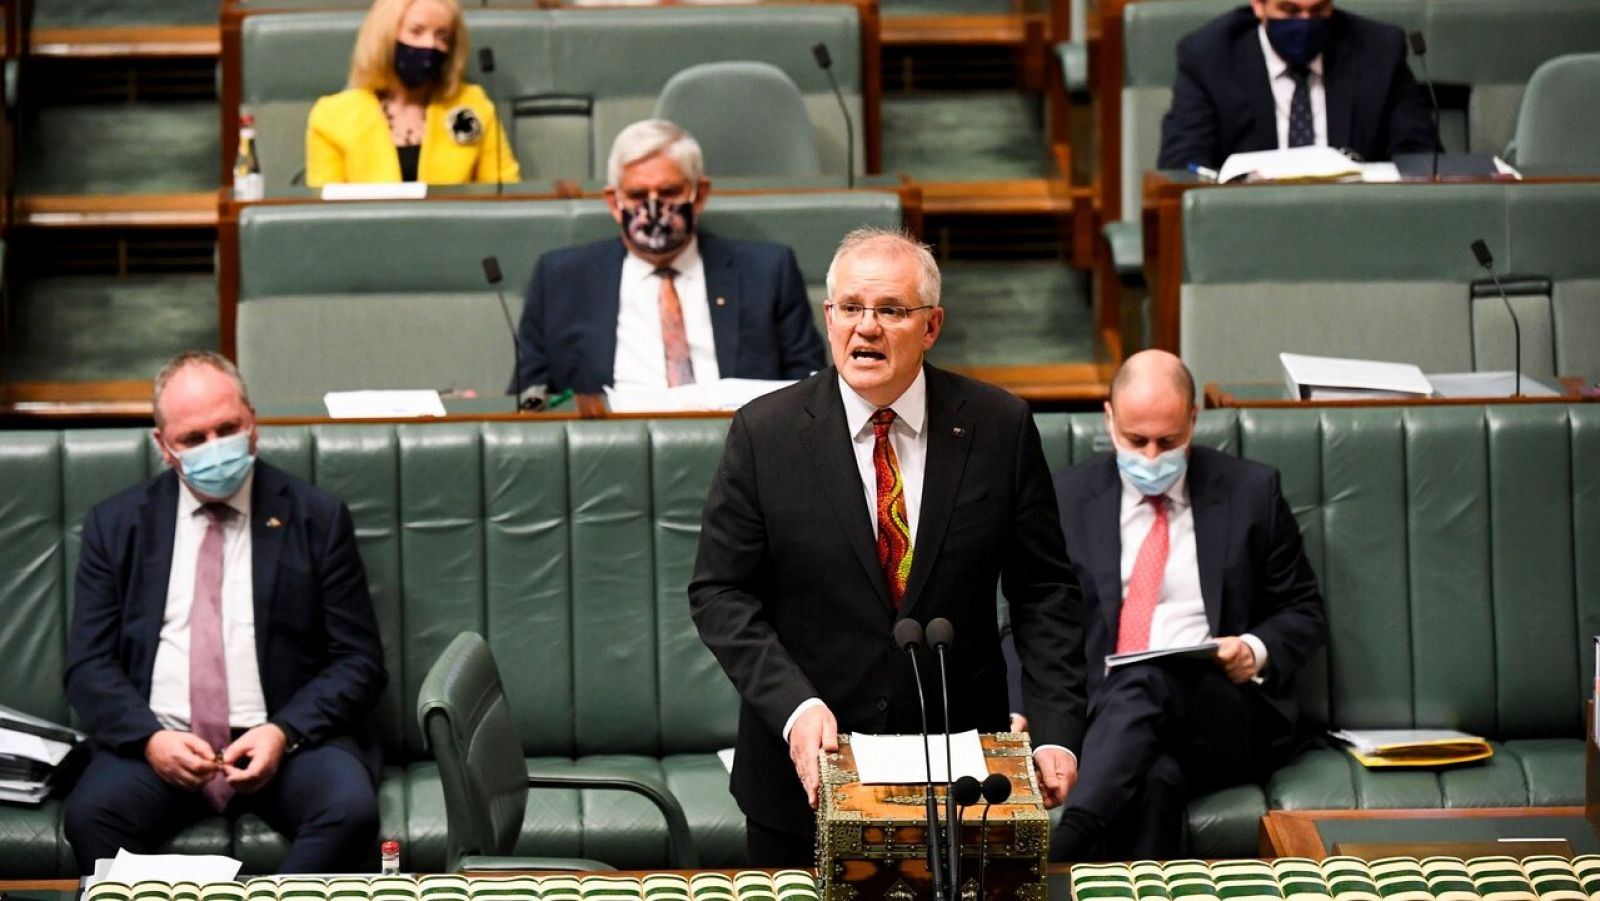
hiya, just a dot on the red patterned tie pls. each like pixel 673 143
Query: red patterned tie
pixel 208 667
pixel 1144 586
pixel 894 530
pixel 680 366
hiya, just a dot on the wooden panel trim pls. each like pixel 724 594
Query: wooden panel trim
pixel 189 210
pixel 174 40
pixel 1293 833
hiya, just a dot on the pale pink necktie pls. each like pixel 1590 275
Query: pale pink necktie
pixel 680 367
pixel 208 667
pixel 1144 586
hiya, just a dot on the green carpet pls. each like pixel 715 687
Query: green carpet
pixel 967 136
pixel 116 13
pixel 123 148
pixel 86 328
pixel 1014 312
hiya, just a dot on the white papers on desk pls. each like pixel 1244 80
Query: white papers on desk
pixel 1501 383
pixel 383 404
pixel 1339 378
pixel 1310 163
pixel 129 868
pixel 722 394
pixel 400 190
pixel 899 760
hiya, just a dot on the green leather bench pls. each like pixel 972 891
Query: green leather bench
pixel 1481 54
pixel 1385 272
pixel 392 295
pixel 1451 544
pixel 558 76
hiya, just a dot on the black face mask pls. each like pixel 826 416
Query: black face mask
pixel 417 66
pixel 655 227
pixel 1298 41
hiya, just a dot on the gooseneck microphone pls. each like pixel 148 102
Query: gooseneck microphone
pixel 1486 260
pixel 908 638
pixel 486 63
pixel 825 62
pixel 964 793
pixel 941 634
pixel 996 789
pixel 1419 49
pixel 492 273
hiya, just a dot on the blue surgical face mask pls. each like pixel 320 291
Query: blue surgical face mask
pixel 216 470
pixel 1298 41
pixel 1153 476
pixel 417 66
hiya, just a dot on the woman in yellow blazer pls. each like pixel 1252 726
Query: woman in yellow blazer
pixel 407 115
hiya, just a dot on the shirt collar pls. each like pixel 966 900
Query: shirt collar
pixel 1177 495
pixel 686 263
pixel 911 407
pixel 1277 67
pixel 188 504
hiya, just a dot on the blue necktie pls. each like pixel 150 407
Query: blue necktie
pixel 1301 130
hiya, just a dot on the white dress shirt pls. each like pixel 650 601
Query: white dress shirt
pixel 1179 619
pixel 1283 92
pixel 641 360
pixel 169 679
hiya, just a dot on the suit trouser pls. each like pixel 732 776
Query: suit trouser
pixel 1161 733
pixel 322 798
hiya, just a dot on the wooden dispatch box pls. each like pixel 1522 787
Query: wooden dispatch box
pixel 872 839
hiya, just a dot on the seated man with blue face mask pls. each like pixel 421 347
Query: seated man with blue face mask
pixel 1289 73
pixel 223 653
pixel 1174 546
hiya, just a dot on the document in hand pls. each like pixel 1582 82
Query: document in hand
pixel 1203 651
pixel 1382 748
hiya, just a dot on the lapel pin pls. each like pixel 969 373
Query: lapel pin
pixel 722 301
pixel 274 522
pixel 958 431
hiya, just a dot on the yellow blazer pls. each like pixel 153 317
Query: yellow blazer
pixel 348 140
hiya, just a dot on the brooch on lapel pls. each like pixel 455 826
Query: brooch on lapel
pixel 465 126
pixel 274 522
pixel 958 431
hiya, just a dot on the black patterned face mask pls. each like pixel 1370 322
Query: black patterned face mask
pixel 656 227
pixel 417 66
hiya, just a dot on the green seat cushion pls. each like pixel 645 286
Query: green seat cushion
pixel 1225 823
pixel 1536 772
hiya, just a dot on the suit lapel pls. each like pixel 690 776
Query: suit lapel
pixel 1257 83
pixel 1103 524
pixel 826 438
pixel 158 522
pixel 1339 90
pixel 722 297
pixel 269 521
pixel 604 303
pixel 950 437
pixel 1211 515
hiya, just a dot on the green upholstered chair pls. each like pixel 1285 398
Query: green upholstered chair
pixel 462 711
pixel 747 115
pixel 1556 127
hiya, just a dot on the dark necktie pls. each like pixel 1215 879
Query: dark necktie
pixel 1302 131
pixel 208 664
pixel 674 338
pixel 1144 585
pixel 894 530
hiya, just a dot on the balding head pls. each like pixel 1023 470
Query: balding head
pixel 1151 409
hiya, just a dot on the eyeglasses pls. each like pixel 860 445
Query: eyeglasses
pixel 677 193
pixel 889 312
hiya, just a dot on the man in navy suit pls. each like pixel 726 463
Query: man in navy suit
pixel 1287 73
pixel 668 304
pixel 223 649
pixel 1175 546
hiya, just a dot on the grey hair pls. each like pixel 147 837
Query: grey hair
pixel 195 358
pixel 892 242
pixel 648 137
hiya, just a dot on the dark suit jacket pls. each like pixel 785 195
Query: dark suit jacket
pixel 1254 576
pixel 317 641
pixel 1222 99
pixel 568 334
pixel 788 594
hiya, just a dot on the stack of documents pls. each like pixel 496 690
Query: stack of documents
pixel 32 752
pixel 1298 164
pixel 1338 378
pixel 1381 748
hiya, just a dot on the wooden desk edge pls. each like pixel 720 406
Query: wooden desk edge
pixel 1293 833
pixel 1216 398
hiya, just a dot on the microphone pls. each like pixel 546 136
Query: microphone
pixel 1486 260
pixel 996 789
pixel 1419 49
pixel 819 51
pixel 491 273
pixel 941 634
pixel 964 792
pixel 908 637
pixel 486 63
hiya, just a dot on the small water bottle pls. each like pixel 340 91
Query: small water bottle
pixel 389 851
pixel 247 182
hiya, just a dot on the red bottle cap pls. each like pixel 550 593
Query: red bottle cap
pixel 389 847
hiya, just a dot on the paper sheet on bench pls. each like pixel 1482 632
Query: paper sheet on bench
pixel 383 404
pixel 129 867
pixel 898 759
